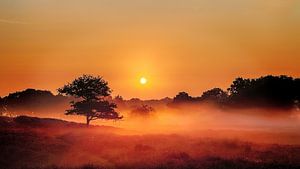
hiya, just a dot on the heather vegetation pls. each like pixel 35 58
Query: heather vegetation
pixel 33 143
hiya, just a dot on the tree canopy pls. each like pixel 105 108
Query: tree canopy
pixel 87 87
pixel 265 92
pixel 216 95
pixel 268 91
pixel 31 100
pixel 182 97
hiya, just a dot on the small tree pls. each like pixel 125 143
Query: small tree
pixel 90 92
pixel 143 110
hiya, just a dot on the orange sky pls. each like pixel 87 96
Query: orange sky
pixel 190 45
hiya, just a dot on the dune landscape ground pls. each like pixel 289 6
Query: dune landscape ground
pixel 37 143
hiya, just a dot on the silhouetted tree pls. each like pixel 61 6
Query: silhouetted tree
pixel 143 110
pixel 216 95
pixel 239 86
pixel 31 100
pixel 91 92
pixel 268 91
pixel 182 97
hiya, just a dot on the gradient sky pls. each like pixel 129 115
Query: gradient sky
pixel 178 45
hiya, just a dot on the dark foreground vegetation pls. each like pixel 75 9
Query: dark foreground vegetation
pixel 33 143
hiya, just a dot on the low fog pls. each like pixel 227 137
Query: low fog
pixel 197 120
pixel 192 118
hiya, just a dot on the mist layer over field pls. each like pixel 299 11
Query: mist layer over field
pixel 190 118
pixel 204 120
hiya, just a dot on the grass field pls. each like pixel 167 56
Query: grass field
pixel 33 143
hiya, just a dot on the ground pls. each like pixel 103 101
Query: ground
pixel 33 143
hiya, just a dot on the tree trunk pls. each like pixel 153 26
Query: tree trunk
pixel 87 121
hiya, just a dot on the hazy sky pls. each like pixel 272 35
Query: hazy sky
pixel 178 45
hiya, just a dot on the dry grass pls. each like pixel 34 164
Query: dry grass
pixel 93 148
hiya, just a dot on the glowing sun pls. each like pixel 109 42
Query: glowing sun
pixel 143 80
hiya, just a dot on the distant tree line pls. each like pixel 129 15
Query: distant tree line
pixel 30 100
pixel 264 92
pixel 267 92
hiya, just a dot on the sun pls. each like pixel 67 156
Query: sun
pixel 143 80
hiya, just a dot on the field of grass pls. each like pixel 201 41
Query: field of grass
pixel 32 143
